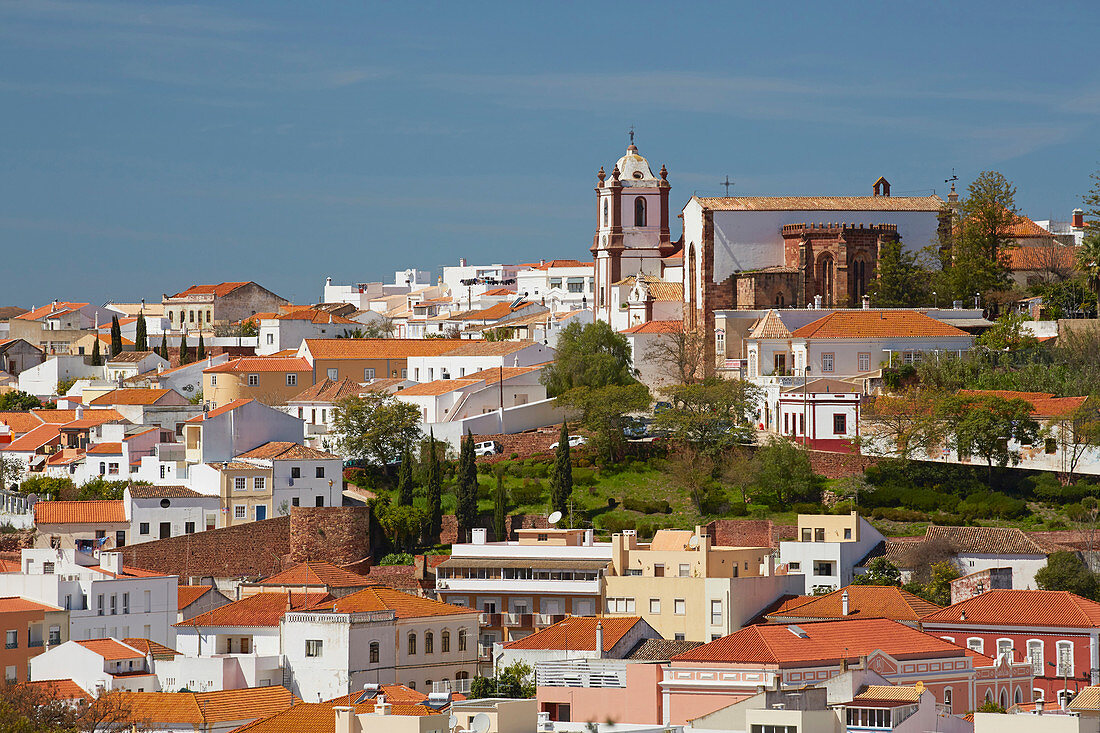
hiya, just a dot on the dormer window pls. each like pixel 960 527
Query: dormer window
pixel 638 175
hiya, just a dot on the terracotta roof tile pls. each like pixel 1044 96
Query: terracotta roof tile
pixel 132 396
pixel 50 310
pixel 261 609
pixel 1044 404
pixel 141 491
pixel 35 439
pixel 111 649
pixel 188 594
pixel 1087 699
pixel 820 641
pixel 280 451
pixel 1022 608
pixel 404 605
pixel 864 601
pixel 248 364
pixel 20 422
pixel 1026 228
pixel 771 326
pixel 438 387
pixel 578 633
pixel 377 348
pixel 561 263
pixel 59 689
pixel 657 327
pixel 991 540
pixel 492 376
pixel 660 650
pixel 109 449
pixel 317 574
pixel 398 694
pixel 227 407
pixel 492 313
pixel 888 693
pixel 79 512
pixel 220 290
pixel 129 357
pixel 863 324
pixel 149 647
pixel 316 316
pixel 16 604
pixel 201 709
pixel 488 348
pixel 821 203
pixel 328 391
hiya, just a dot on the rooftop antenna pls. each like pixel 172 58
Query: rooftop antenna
pixel 727 183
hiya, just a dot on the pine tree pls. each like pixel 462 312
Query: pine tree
pixel 435 491
pixel 466 491
pixel 405 479
pixel 500 505
pixel 899 281
pixel 97 358
pixel 164 346
pixel 561 480
pixel 141 336
pixel 116 337
pixel 184 358
pixel 200 352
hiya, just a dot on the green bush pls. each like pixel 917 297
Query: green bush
pixel 614 522
pixel 738 509
pixel 48 487
pixel 647 506
pixel 992 505
pixel 899 515
pixel 397 558
pixel 805 507
pixel 530 492
pixel 584 477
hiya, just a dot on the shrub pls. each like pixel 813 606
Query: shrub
pixel 613 523
pixel 738 509
pixel 899 515
pixel 647 506
pixel 992 505
pixel 584 477
pixel 397 558
pixel 805 507
pixel 530 492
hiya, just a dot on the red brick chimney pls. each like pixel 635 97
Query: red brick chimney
pixel 1078 219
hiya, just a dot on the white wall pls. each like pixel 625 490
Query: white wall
pixel 41 380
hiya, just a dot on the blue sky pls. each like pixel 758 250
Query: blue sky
pixel 148 146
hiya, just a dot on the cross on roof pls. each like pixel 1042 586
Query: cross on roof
pixel 727 183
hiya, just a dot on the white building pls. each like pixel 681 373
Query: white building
pixel 237 427
pixel 466 282
pixel 41 380
pixel 127 364
pixel 479 393
pixel 159 512
pixel 822 414
pixel 560 285
pixel 301 476
pixel 288 330
pixel 99 665
pixel 476 356
pixel 828 548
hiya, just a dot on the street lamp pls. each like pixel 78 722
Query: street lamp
pixel 935 299
pixel 805 401
pixel 977 300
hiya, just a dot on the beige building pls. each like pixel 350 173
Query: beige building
pixel 98 525
pixel 272 380
pixel 686 587
pixel 196 308
pixel 362 360
pixel 244 490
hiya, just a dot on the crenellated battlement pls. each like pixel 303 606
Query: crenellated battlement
pixel 790 230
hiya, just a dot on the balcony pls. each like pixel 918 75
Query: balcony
pixel 484 652
pixel 539 620
pixel 489 619
pixel 459 686
pixel 518 619
pixel 35 643
pixel 592 673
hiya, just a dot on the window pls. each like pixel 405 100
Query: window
pixel 112 469
pixel 9 673
pixel 947 696
pixel 295 501
pixel 639 212
pixel 314 647
pixel 823 568
pixel 374 652
pixel 654 605
pixel 143 528
pixel 412 644
pixel 819 534
pixel 575 285
pixel 259 483
pixel 840 424
pixel 213 380
pixel 847 533
pixel 827 362
pixel 246 645
pixel 658 570
pixel 126 603
pixel 863 362
pixel 240 483
pixel 429 643
pixel 679 637
pixel 368 374
pixel 162 470
pixel 792 566
pixel 1035 656
pixel 334 374
pixel 1004 648
pixel 1050 446
pixel 320 472
pixel 769 728
pixel 99 605
pixel 685 570
pixel 55 635
pixel 102 468
pixel 605 211
pixel 271 338
pixel 253 380
pixel 679 607
pixel 295 471
pixel 189 528
pixel 445 642
pixel 292 380
pixel 12 639
pixel 1065 659
pixel 975 644
pixel 462 640
pixel 240 511
pixel 114 604
pixel 319 501
pixel 715 612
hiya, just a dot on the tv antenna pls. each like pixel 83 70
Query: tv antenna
pixel 727 183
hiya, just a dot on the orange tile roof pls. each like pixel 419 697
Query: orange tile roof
pixel 131 396
pixel 318 717
pixel 105 338
pixel 261 364
pixel 188 594
pixel 861 324
pixel 328 390
pixel 397 694
pixel 438 387
pixel 561 263
pixel 65 456
pixel 200 709
pixel 659 289
pixel 92 418
pixel 578 633
pixel 20 422
pixel 493 375
pixel 377 348
pixel 16 604
pixel 1026 228
pixel 139 491
pixel 1043 404
pixel 317 573
pixel 404 605
pixel 50 310
pixel 819 641
pixel 111 649
pixel 488 348
pixel 35 439
pixel 128 357
pixel 55 417
pixel 820 203
pixel 1022 608
pixel 771 326
pixel 864 601
pixel 79 512
pixel 499 291
pixel 149 647
pixel 111 449
pixel 220 290
pixel 492 313
pixel 59 689
pixel 282 451
pixel 316 316
pixel 657 327
pixel 1053 257
pixel 261 609
pixel 227 407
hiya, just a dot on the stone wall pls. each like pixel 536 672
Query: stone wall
pixel 974 584
pixel 839 465
pixel 339 535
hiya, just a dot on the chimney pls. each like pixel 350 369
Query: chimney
pixel 80 412
pixel 1078 219
pixel 866 302
pixel 844 603
pixel 111 562
pixel 542 261
pixel 599 639
pixel 477 535
pixel 817 302
pixel 381 707
pixel 461 261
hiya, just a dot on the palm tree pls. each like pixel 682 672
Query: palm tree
pixel 1088 262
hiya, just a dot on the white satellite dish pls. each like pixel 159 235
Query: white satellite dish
pixel 554 518
pixel 452 722
pixel 480 723
pixel 693 542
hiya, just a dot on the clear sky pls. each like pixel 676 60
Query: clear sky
pixel 148 146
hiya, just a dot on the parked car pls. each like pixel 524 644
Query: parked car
pixel 636 428
pixel 661 407
pixel 574 441
pixel 487 448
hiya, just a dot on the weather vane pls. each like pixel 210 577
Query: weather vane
pixel 953 177
pixel 727 183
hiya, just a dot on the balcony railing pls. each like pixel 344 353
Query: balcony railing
pixel 459 686
pixel 35 642
pixel 484 652
pixel 546 619
pixel 581 673
pixel 11 645
pixel 489 619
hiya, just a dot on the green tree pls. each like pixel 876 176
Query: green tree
pixel 692 472
pixel 981 237
pixel 185 356
pixel 405 478
pixel 200 352
pixel 517 680
pixel 466 489
pixel 880 571
pixel 561 478
pixel 900 282
pixel 164 346
pixel 434 486
pixel 1088 256
pixel 901 425
pixel 713 414
pixel 97 358
pixel 937 589
pixel 49 487
pixel 603 412
pixel 1008 334
pixel 375 427
pixel 141 335
pixel 500 505
pixel 403 524
pixel 116 337
pixel 592 356
pixel 783 470
pixel 11 471
pixel 984 426
pixel 1067 571
pixel 18 401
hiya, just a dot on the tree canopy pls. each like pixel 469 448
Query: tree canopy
pixel 594 355
pixel 18 401
pixel 603 411
pixel 1067 571
pixel 713 414
pixel 899 281
pixel 375 427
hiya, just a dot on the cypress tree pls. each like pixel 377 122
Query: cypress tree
pixel 561 480
pixel 184 359
pixel 466 491
pixel 164 345
pixel 435 491
pixel 500 505
pixel 141 336
pixel 97 358
pixel 200 352
pixel 405 479
pixel 116 337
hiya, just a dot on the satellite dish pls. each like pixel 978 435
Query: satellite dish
pixel 480 723
pixel 452 722
pixel 554 518
pixel 693 542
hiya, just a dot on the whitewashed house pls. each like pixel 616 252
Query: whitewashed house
pixel 476 356
pixel 301 476
pixel 98 665
pixel 159 512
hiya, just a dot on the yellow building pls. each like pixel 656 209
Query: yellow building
pixel 272 380
pixel 244 490
pixel 687 588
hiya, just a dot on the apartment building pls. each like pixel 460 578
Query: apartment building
pixel 827 549
pixel 365 359
pixel 271 380
pixel 28 626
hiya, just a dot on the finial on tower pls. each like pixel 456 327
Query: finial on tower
pixel 664 173
pixel 615 173
pixel 601 175
pixel 632 134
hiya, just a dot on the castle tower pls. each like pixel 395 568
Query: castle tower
pixel 632 227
